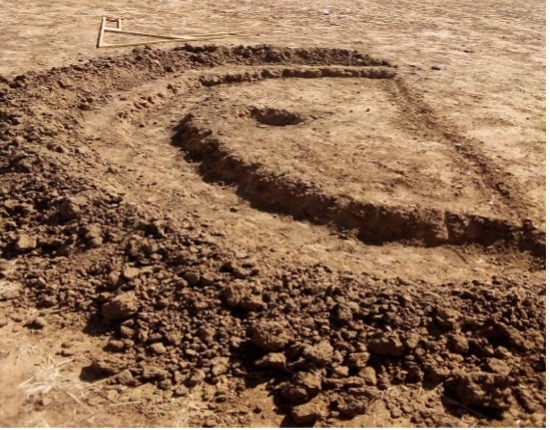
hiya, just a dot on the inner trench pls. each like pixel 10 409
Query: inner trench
pixel 373 223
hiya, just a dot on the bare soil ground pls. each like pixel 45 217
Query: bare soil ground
pixel 337 222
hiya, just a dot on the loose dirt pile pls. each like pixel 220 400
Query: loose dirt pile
pixel 185 308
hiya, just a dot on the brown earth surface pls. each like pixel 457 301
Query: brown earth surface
pixel 337 222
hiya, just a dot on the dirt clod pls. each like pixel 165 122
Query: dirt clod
pixel 270 336
pixel 358 360
pixel 25 243
pixel 121 307
pixel 69 210
pixel 387 345
pixel 369 375
pixel 275 360
pixel 481 390
pixel 459 344
pixel 157 348
pixel 309 413
pixel 321 353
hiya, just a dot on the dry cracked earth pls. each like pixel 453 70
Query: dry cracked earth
pixel 264 235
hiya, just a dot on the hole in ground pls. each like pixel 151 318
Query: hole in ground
pixel 276 117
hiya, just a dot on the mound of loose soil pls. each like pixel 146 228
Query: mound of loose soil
pixel 183 308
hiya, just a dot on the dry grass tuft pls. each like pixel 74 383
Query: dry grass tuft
pixel 48 377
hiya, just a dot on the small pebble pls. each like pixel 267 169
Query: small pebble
pixel 210 423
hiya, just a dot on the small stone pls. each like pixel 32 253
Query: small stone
pixel 437 374
pixel 242 296
pixel 65 83
pixel 354 381
pixel 396 413
pixel 165 384
pixel 309 413
pixel 129 272
pixel 447 318
pixel 69 210
pixel 191 352
pixel 502 352
pixel 121 307
pixel 459 344
pixel 252 302
pixel 366 392
pixel 220 365
pixel 207 334
pixel 302 387
pixel 25 242
pixel 233 294
pixel 5 266
pixel 437 67
pixel 181 391
pixel 108 365
pixel 128 343
pixel 209 423
pixel 341 371
pixel 126 332
pixel 93 235
pixel 152 372
pixel 415 372
pixel 207 279
pixel 528 402
pixel 158 348
pixel 195 378
pixel 321 353
pixel 126 378
pixel 173 338
pixel 343 312
pixel 513 337
pixel 358 360
pixel 411 341
pixel 273 360
pixel 417 419
pixel 310 380
pixel 115 346
pixel 369 375
pixel 192 277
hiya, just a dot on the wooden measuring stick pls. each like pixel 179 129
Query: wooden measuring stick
pixel 163 36
pixel 151 42
pixel 101 32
